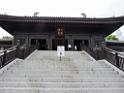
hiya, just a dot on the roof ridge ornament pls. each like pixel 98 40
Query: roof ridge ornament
pixel 36 13
pixel 84 15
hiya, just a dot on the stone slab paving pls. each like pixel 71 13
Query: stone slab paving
pixel 43 72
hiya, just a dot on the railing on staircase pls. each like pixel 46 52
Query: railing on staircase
pixel 114 57
pixel 96 53
pixel 8 55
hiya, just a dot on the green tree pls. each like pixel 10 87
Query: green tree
pixel 111 37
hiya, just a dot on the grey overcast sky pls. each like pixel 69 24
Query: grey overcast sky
pixel 92 8
pixel 72 8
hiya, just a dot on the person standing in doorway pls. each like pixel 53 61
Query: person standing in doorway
pixel 75 48
pixel 69 46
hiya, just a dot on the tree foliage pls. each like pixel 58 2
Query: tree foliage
pixel 111 37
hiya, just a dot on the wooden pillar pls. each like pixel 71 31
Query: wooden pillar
pixel 47 44
pixel 27 41
pixel 50 44
pixel 71 42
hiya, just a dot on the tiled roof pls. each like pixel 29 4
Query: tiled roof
pixel 62 19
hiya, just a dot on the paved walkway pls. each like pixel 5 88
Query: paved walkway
pixel 42 72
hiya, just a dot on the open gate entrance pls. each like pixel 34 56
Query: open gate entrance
pixel 78 44
pixel 40 43
pixel 81 44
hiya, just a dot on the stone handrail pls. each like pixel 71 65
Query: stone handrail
pixel 6 56
pixel 114 57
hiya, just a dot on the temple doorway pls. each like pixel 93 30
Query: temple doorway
pixel 78 44
pixel 81 44
pixel 66 44
pixel 42 45
pixel 55 42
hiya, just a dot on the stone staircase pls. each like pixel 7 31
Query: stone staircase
pixel 42 72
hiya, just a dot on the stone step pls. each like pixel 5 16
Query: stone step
pixel 89 71
pixel 62 90
pixel 75 74
pixel 63 69
pixel 60 65
pixel 46 73
pixel 52 64
pixel 43 63
pixel 59 77
pixel 66 67
pixel 62 84
pixel 66 73
pixel 64 79
pixel 60 71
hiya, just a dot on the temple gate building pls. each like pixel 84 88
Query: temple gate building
pixel 47 32
pixel 24 69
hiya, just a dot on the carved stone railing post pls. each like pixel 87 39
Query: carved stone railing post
pixel 103 45
pixel 117 60
pixel 4 58
pixel 97 52
pixel 23 52
pixel 18 49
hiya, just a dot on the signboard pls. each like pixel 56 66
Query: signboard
pixel 60 51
